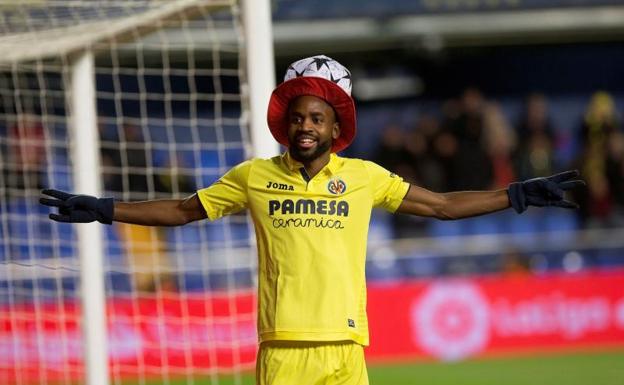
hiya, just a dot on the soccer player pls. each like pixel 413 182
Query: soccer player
pixel 311 210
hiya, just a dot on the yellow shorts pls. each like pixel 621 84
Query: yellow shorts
pixel 302 363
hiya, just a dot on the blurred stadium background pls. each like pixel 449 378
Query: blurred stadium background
pixel 451 94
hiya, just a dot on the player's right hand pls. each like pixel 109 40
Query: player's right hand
pixel 79 208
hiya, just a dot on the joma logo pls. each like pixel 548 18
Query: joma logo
pixel 280 186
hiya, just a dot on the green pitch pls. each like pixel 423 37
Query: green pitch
pixel 569 369
pixel 579 369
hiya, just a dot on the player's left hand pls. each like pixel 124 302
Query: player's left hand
pixel 546 191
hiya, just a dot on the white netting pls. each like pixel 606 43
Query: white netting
pixel 171 116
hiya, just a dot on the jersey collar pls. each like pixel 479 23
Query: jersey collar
pixel 293 165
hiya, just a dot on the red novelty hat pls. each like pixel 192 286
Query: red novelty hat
pixel 319 76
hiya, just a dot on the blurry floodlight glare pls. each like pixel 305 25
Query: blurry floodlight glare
pixel 389 87
pixel 572 262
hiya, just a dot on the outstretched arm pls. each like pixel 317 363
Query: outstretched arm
pixel 548 191
pixel 454 205
pixel 172 212
pixel 84 208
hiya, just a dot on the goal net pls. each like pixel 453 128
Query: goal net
pixel 172 116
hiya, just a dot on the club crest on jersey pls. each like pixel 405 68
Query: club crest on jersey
pixel 336 186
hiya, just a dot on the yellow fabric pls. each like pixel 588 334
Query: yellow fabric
pixel 311 239
pixel 146 255
pixel 313 363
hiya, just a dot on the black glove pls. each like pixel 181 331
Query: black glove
pixel 546 191
pixel 79 208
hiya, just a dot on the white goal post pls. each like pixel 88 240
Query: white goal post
pixel 141 100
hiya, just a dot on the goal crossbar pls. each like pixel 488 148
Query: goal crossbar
pixel 27 46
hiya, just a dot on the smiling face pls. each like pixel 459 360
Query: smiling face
pixel 312 128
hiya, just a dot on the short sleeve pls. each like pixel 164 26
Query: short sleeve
pixel 227 195
pixel 388 189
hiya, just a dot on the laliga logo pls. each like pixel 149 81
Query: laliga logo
pixel 619 313
pixel 336 186
pixel 451 320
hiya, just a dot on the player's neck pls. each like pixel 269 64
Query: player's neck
pixel 315 165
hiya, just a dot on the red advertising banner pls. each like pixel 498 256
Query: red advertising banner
pixel 447 319
pixel 177 332
pixel 453 319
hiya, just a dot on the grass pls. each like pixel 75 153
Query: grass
pixel 604 368
pixel 577 369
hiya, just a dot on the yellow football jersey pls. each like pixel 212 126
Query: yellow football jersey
pixel 311 236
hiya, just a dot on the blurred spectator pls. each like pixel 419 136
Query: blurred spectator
pixel 468 164
pixel 129 168
pixel 26 155
pixel 111 171
pixel 132 159
pixel 601 163
pixel 414 167
pixel 391 153
pixel 599 121
pixel 394 156
pixel 147 258
pixel 419 143
pixel 500 142
pixel 515 263
pixel 444 149
pixel 173 180
pixel 615 175
pixel 536 148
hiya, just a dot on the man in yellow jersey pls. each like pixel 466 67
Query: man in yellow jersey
pixel 311 210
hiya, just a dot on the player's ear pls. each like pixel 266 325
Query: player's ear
pixel 336 130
